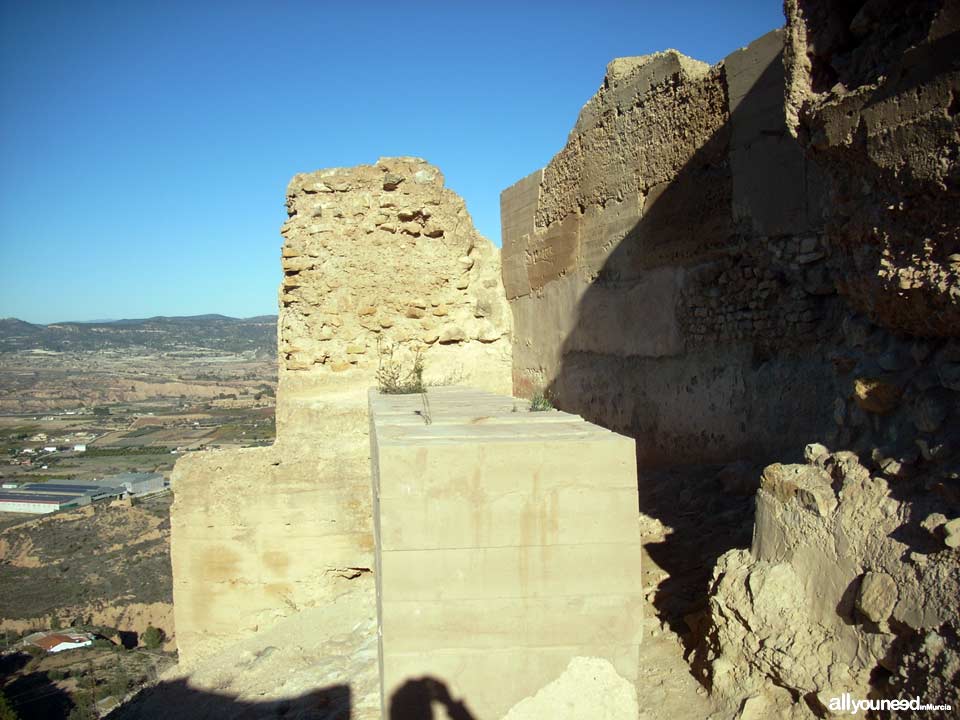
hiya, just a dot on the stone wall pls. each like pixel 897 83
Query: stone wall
pixel 380 262
pixel 383 256
pixel 852 578
pixel 786 288
pixel 666 270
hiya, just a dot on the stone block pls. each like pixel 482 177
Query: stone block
pixel 518 207
pixel 507 544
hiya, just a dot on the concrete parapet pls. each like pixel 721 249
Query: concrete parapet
pixel 507 543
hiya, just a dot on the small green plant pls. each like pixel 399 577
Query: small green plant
pixel 540 401
pixel 152 637
pixel 394 377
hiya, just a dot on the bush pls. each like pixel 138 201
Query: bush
pixel 57 674
pixel 540 402
pixel 152 637
pixel 393 378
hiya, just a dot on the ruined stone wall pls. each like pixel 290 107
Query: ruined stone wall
pixel 852 578
pixel 666 270
pixel 383 257
pixel 379 262
pixel 790 289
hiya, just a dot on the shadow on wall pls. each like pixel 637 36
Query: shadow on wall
pixel 695 339
pixel 415 700
pixel 176 699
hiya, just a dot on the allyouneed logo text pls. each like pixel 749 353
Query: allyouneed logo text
pixel 846 703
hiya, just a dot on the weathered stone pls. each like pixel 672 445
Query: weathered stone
pixel 452 334
pixel 815 453
pixel 929 411
pixel 391 181
pixel 809 485
pixel 877 596
pixel 951 533
pixel 589 687
pixel 876 396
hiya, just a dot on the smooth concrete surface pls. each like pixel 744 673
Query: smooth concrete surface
pixel 507 543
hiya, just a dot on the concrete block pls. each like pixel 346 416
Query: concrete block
pixel 494 623
pixel 507 544
pixel 513 572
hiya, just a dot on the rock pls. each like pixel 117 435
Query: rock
pixel 856 330
pixel 949 373
pixel 929 410
pixel 932 524
pixel 356 349
pixel 588 688
pixel 876 396
pixel 808 485
pixel 368 310
pixel 391 181
pixel 423 177
pixel 877 596
pixel 488 333
pixel 452 334
pixel 951 531
pixel 815 454
pixel 414 312
pixel 340 365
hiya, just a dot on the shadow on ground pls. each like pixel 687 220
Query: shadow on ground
pixel 32 696
pixel 176 699
pixel 704 522
pixel 416 699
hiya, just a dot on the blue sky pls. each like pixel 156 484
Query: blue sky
pixel 145 147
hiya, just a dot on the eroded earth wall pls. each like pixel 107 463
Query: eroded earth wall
pixel 379 262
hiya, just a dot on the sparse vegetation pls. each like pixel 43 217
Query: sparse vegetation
pixel 540 401
pixel 394 377
pixel 152 637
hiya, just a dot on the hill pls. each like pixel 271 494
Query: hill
pixel 209 332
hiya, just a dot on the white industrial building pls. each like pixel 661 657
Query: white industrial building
pixel 36 503
pixel 137 483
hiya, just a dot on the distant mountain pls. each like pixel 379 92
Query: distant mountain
pixel 159 334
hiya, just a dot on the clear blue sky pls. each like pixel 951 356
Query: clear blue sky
pixel 146 147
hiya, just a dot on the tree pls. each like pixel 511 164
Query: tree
pixel 152 637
